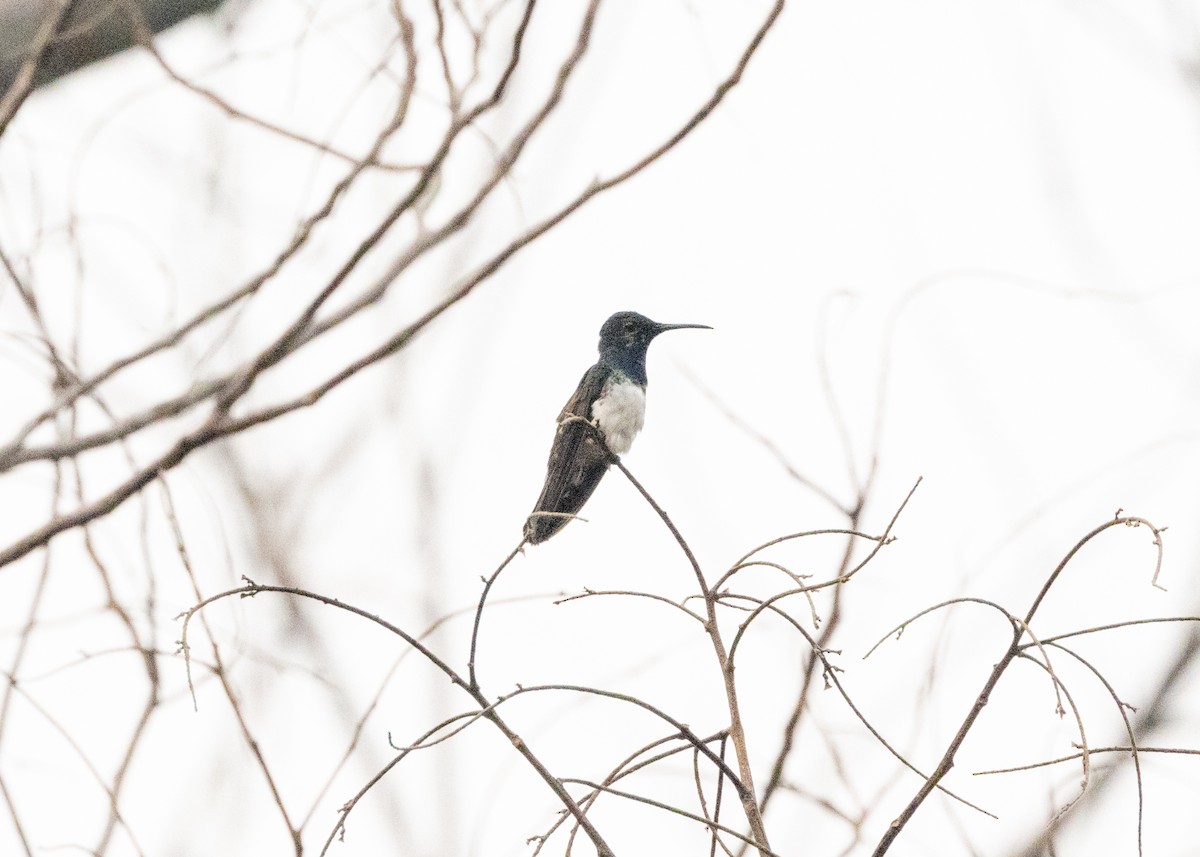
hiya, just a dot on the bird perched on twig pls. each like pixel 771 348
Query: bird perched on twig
pixel 598 422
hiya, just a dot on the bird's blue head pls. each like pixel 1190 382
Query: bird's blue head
pixel 624 339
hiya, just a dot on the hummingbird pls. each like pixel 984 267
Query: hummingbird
pixel 598 422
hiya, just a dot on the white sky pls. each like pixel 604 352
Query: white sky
pixel 992 207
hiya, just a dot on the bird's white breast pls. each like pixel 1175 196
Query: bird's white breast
pixel 620 412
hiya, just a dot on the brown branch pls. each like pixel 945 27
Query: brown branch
pixel 488 583
pixel 737 734
pixel 1092 751
pixel 1117 626
pixel 360 724
pixel 1150 716
pixel 78 750
pixel 1129 732
pixel 829 673
pixel 303 330
pixel 767 852
pixel 367 161
pixel 348 807
pixel 626 767
pixel 222 674
pixel 593 593
pixel 1014 648
pixel 556 786
pixel 880 541
pixel 1086 756
pixel 232 386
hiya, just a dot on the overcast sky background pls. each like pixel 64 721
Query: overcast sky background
pixel 966 231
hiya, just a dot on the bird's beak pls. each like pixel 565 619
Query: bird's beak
pixel 661 328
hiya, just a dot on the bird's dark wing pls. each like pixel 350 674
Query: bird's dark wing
pixel 578 459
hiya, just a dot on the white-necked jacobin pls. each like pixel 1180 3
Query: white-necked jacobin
pixel 612 397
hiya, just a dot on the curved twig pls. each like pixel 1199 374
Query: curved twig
pixel 1014 648
pixel 1129 732
pixel 737 732
pixel 591 593
pixel 1085 755
pixel 252 589
pixel 767 852
pixel 488 582
pixel 830 672
pixel 903 626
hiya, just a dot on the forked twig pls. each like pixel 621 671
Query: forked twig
pixel 1014 649
pixel 556 786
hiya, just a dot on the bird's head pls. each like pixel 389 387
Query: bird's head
pixel 625 337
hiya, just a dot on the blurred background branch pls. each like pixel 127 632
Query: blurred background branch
pixel 62 37
pixel 290 293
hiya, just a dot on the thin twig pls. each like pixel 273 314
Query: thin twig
pixel 488 582
pixel 1014 648
pixel 737 734
pixel 252 589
